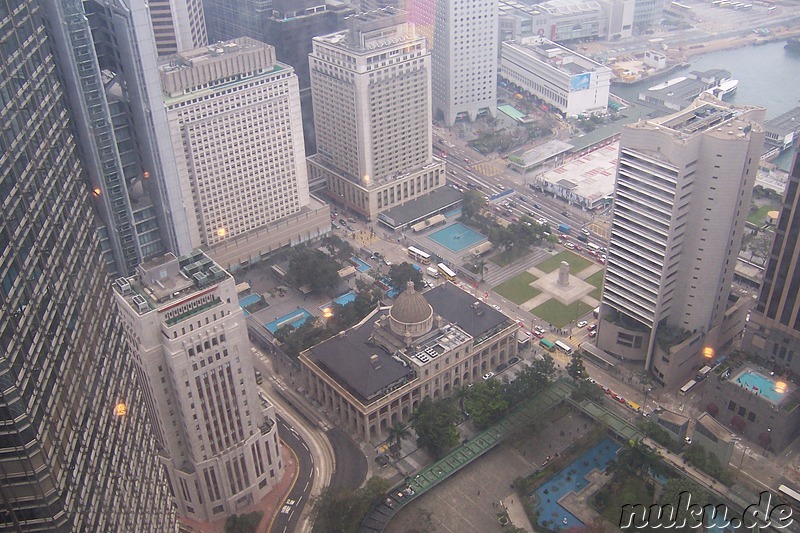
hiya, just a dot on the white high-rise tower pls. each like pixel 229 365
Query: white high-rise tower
pixel 189 342
pixel 372 111
pixel 465 59
pixel 682 196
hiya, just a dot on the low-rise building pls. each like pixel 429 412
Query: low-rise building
pixel 376 373
pixel 560 77
pixel 761 407
pixel 675 424
pixel 714 438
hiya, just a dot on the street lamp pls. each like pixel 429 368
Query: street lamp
pixel 746 449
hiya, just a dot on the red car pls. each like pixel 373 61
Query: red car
pixel 620 399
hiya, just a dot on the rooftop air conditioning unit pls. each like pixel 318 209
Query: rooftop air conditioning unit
pixel 124 286
pixel 140 303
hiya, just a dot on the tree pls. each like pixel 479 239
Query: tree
pixel 672 491
pixel 397 433
pixel 635 458
pixel 343 510
pixel 313 268
pixel 587 390
pixel 760 246
pixel 472 204
pixel 485 403
pixel 401 273
pixel 435 426
pixel 695 455
pixel 246 523
pixel 576 370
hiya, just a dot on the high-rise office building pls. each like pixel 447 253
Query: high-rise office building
pixel 188 336
pixel 289 26
pixel 773 332
pixel 75 441
pixel 234 120
pixel 106 54
pixel 465 59
pixel 371 87
pixel 682 195
pixel 178 25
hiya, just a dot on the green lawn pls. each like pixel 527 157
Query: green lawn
pixel 506 257
pixel 596 279
pixel 576 262
pixel 558 314
pixel 757 217
pixel 518 289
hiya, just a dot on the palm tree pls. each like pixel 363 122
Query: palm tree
pixel 396 434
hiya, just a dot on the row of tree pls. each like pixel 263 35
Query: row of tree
pixel 485 402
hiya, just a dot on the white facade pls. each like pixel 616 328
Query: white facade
pixel 234 118
pixel 178 25
pixel 465 59
pixel 189 341
pixel 568 81
pixel 681 199
pixel 372 112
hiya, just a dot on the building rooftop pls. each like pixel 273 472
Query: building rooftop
pixel 590 176
pixel 713 427
pixel 370 360
pixel 673 418
pixel 786 123
pixel 168 278
pixel 539 154
pixel 421 208
pixel 196 69
pixel 680 92
pixel 557 56
pixel 370 30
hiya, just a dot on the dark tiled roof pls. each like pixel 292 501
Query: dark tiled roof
pixel 456 307
pixel 347 358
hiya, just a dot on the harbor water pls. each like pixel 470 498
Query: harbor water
pixel 768 75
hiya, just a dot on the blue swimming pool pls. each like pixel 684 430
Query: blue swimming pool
pixel 249 300
pixel 762 385
pixel 361 266
pixel 344 299
pixel 571 479
pixel 295 318
pixel 456 237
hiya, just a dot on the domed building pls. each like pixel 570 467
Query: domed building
pixel 411 315
pixel 376 373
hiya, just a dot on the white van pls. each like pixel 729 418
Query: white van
pixel 432 272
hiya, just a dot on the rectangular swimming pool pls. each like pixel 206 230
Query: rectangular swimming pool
pixel 249 300
pixel 361 266
pixel 295 318
pixel 456 237
pixel 344 299
pixel 761 385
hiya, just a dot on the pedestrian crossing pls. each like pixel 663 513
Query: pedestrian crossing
pixel 490 167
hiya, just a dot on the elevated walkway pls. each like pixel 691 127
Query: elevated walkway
pixel 380 515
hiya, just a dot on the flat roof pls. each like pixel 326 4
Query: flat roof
pixel 674 418
pixel 543 152
pixel 422 207
pixel 358 361
pixel 784 124
pixel 591 176
pixel 555 55
pixel 714 427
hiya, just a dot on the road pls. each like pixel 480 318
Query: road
pixel 298 497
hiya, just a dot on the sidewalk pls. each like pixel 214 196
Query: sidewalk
pixel 270 505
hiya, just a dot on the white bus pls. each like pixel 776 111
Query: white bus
pixel 419 255
pixel 702 373
pixel 593 247
pixel 564 347
pixel 791 495
pixel 689 386
pixel 446 272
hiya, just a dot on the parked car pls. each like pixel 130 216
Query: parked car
pixel 513 361
pixel 488 375
pixel 592 327
pixel 582 324
pixel 592 334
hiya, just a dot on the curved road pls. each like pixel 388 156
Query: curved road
pixel 297 498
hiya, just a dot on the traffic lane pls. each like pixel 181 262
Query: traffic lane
pixel 292 508
pixel 351 464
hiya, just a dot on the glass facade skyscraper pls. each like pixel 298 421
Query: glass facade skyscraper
pixel 76 448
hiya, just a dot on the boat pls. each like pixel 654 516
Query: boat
pixel 793 44
pixel 724 88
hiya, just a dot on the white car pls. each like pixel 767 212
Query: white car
pixel 542 221
pixel 496 307
pixel 488 375
pixel 582 324
pixel 585 231
pixel 570 246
